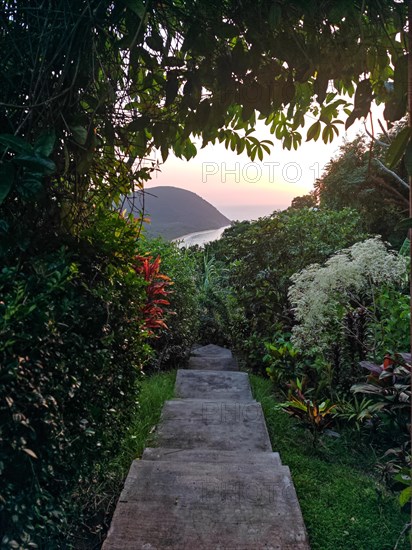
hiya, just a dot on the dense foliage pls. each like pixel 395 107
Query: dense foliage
pixel 95 502
pixel 337 304
pixel 76 328
pixel 171 347
pixel 358 178
pixel 314 313
pixel 91 90
pixel 262 256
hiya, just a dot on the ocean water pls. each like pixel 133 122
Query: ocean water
pixel 200 238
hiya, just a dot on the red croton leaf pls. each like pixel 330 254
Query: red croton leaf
pixel 158 283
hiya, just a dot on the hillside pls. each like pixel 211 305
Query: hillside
pixel 175 212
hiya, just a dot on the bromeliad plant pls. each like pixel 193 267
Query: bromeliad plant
pixel 317 417
pixel 357 412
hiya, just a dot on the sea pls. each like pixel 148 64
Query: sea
pixel 200 238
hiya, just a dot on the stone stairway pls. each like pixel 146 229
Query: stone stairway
pixel 212 482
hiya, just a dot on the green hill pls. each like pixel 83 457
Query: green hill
pixel 175 212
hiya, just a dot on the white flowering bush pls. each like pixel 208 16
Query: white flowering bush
pixel 322 295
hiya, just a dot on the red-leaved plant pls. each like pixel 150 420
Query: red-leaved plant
pixel 156 290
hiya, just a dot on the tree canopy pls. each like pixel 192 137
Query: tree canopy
pixel 90 87
pixel 357 178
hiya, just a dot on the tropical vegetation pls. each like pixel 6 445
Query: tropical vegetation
pixel 93 94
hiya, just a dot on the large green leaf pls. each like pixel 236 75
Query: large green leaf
pixel 314 131
pixel 79 133
pixel 405 496
pixel 137 6
pixel 398 147
pixel 15 143
pixel 405 248
pixel 138 124
pixel 45 143
pixel 171 88
pixel 36 163
pixel 31 186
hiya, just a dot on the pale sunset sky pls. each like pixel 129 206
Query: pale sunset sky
pixel 241 189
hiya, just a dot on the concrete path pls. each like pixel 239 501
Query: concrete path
pixel 212 482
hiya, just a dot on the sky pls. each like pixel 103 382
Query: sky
pixel 242 189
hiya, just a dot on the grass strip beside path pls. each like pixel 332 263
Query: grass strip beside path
pixel 343 504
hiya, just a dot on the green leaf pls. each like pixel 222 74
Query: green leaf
pixel 403 476
pixel 15 143
pixel 6 179
pixel 314 131
pixel 45 143
pixel 327 134
pixel 138 124
pixel 165 152
pixel 405 496
pixel 30 187
pixel 287 142
pixel 398 147
pixel 189 150
pixel 405 248
pixel 36 163
pixel 155 42
pixel 136 6
pixel 240 146
pixel 171 88
pixel 79 134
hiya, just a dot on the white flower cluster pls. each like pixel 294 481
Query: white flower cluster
pixel 320 294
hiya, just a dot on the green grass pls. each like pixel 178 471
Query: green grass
pixel 96 502
pixel 343 504
pixel 154 391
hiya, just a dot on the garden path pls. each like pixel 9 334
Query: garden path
pixel 213 481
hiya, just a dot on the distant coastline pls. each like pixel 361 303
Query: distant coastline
pixel 200 238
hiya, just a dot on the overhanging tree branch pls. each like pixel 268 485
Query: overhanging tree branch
pixel 391 173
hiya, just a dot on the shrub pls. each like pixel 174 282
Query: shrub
pixel 261 257
pixel 171 345
pixel 73 341
pixel 281 359
pixel 336 305
pixel 389 388
pixel 218 305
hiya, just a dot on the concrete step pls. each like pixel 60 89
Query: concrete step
pixel 211 351
pixel 255 460
pixel 213 385
pixel 210 506
pixel 213 363
pixel 213 424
